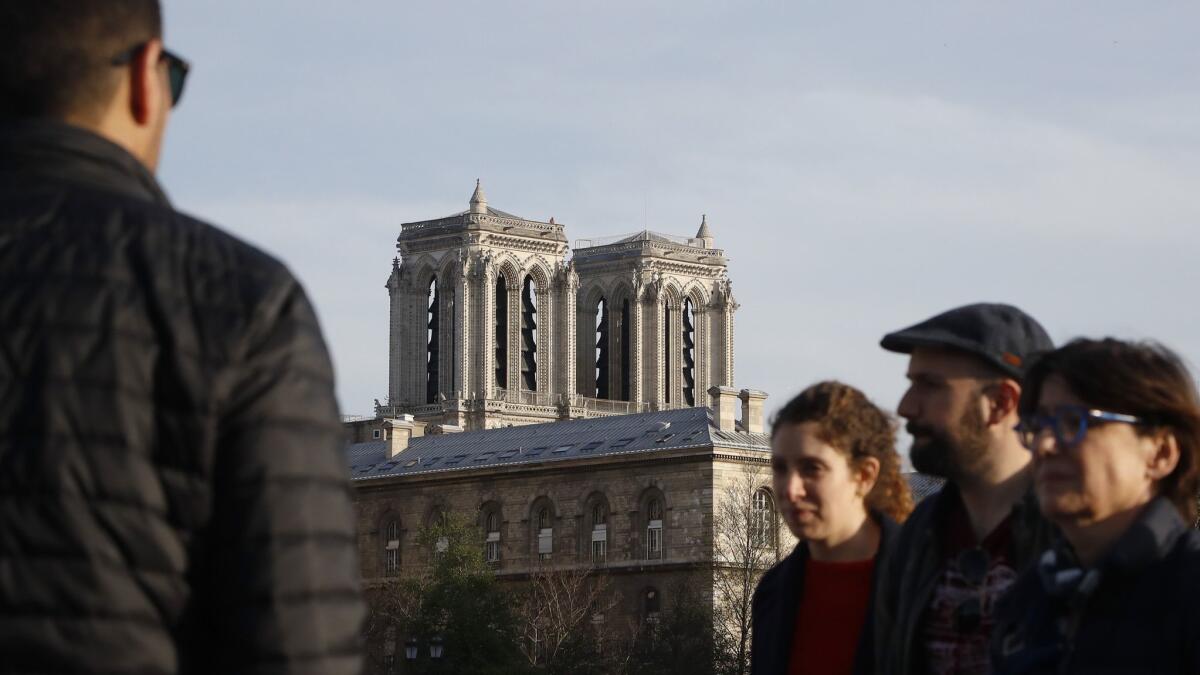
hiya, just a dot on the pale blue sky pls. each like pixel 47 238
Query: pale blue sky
pixel 864 165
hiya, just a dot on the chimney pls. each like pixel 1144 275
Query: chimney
pixel 724 407
pixel 445 429
pixel 752 410
pixel 400 432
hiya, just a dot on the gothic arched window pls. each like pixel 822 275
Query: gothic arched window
pixel 500 337
pixel 762 519
pixel 654 529
pixel 626 352
pixel 689 354
pixel 666 322
pixel 391 547
pixel 529 335
pixel 651 605
pixel 433 338
pixel 602 348
pixel 599 533
pixel 544 519
pixel 491 528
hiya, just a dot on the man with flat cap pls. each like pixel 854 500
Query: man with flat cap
pixel 964 546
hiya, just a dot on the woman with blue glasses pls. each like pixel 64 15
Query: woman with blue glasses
pixel 1114 428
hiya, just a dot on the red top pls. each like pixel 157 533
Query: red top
pixel 831 616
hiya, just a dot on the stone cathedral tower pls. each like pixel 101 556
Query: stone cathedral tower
pixel 492 325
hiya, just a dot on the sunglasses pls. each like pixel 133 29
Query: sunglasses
pixel 177 68
pixel 1068 423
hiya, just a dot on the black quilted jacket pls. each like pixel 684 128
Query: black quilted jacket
pixel 172 495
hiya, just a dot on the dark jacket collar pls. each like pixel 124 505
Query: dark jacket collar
pixel 1148 540
pixel 62 152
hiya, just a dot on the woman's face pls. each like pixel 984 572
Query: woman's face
pixel 820 494
pixel 1108 472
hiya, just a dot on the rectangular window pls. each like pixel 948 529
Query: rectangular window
pixel 562 448
pixel 545 542
pixel 535 451
pixel 621 442
pixel 391 561
pixel 588 447
pixel 375 433
pixel 654 540
pixel 492 547
pixel 599 544
pixel 454 460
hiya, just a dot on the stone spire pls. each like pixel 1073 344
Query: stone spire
pixel 478 200
pixel 705 234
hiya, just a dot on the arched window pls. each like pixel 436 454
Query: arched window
pixel 599 533
pixel 651 605
pixel 626 352
pixel 431 348
pixel 491 546
pixel 529 335
pixel 545 532
pixel 439 522
pixel 500 338
pixel 602 348
pixel 391 548
pixel 762 519
pixel 667 379
pixel 654 538
pixel 689 354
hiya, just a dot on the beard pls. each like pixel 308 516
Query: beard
pixel 951 453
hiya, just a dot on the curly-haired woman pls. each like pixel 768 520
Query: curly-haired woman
pixel 836 476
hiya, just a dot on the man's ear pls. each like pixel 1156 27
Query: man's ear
pixel 1003 396
pixel 146 85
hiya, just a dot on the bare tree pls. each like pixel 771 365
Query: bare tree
pixel 562 618
pixel 745 544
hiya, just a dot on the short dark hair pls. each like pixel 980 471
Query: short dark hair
pixel 56 55
pixel 1144 379
pixel 854 426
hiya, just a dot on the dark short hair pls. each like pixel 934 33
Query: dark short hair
pixel 854 426
pixel 1144 379
pixel 56 55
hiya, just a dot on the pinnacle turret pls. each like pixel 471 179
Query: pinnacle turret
pixel 478 199
pixel 705 234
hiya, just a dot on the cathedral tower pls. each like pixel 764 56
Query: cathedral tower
pixel 492 326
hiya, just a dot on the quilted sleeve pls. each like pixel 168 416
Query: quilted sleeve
pixel 285 591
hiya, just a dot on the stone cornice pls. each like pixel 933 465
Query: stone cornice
pixel 654 249
pixel 478 221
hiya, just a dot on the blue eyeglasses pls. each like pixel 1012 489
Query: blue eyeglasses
pixel 177 68
pixel 1069 423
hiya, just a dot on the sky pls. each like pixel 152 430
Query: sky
pixel 863 165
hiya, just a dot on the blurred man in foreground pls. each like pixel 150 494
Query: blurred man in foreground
pixel 172 494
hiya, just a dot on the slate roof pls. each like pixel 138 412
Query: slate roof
pixel 641 433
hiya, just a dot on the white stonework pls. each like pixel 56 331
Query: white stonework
pixel 471 253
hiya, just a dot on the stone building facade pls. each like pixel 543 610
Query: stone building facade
pixel 630 496
pixel 493 325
